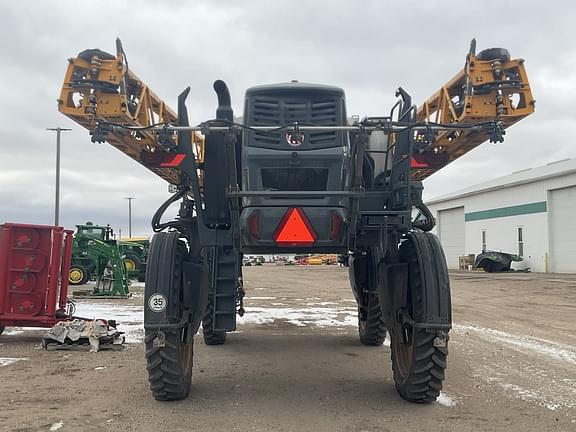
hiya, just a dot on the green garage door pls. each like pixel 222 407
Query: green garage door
pixel 562 223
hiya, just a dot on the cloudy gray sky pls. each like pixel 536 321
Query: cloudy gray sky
pixel 367 47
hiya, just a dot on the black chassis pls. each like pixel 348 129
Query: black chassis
pixel 397 270
pixel 377 215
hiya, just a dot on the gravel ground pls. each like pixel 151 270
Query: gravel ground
pixel 295 364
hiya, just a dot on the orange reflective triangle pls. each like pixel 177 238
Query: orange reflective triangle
pixel 295 230
pixel 414 163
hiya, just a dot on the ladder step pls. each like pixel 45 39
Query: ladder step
pixel 225 283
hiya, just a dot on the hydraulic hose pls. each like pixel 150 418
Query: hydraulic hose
pixel 156 225
pixel 430 221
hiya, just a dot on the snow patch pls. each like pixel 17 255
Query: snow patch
pixel 387 340
pixel 445 400
pixel 324 303
pixel 561 352
pixel 544 390
pixel 6 361
pixel 130 318
pixel 315 316
pixel 324 314
pixel 56 426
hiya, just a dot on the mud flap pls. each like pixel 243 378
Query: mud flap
pixel 176 289
pixel 392 293
pixel 358 271
pixel 424 303
pixel 195 295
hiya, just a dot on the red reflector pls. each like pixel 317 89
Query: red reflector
pixel 295 229
pixel 418 164
pixel 173 161
pixel 254 225
pixel 335 225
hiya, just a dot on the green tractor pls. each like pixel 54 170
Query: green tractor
pixel 96 255
pixel 135 252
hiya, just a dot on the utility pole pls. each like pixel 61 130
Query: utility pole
pixel 57 199
pixel 129 215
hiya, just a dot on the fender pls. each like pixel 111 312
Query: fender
pixel 358 271
pixel 176 286
pixel 424 302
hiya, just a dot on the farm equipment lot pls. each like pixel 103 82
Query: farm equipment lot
pixel 295 364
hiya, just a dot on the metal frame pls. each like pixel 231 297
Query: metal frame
pixel 396 201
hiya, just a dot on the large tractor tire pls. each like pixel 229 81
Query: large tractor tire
pixel 169 352
pixel 211 336
pixel 501 54
pixel 132 262
pixel 419 356
pixel 363 278
pixel 78 275
pixel 371 327
pixel 142 273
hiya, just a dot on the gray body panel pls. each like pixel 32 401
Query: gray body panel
pixel 318 162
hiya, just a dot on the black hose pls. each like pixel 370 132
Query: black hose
pixel 156 225
pixel 430 221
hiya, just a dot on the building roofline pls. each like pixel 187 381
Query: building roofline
pixel 457 195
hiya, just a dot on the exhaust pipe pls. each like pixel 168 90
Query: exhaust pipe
pixel 224 110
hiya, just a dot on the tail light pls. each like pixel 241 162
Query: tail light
pixel 254 225
pixel 335 225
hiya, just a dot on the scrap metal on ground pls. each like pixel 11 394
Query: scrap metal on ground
pixel 82 334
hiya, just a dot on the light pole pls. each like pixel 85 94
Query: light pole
pixel 57 199
pixel 129 215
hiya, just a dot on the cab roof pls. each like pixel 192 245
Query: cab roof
pixel 294 87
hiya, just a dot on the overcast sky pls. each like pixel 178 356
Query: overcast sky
pixel 367 47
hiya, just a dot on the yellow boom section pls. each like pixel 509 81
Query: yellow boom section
pixel 490 87
pixel 99 87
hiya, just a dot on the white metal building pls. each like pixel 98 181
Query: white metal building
pixel 531 213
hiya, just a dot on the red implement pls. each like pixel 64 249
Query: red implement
pixel 34 266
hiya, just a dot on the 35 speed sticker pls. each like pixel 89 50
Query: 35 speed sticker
pixel 157 302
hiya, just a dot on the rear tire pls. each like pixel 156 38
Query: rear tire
pixel 169 353
pixel 371 327
pixel 132 263
pixel 211 337
pixel 78 275
pixel 169 367
pixel 418 364
pixel 363 278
